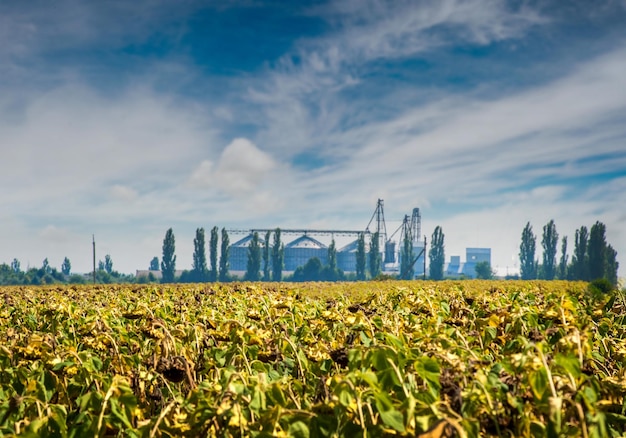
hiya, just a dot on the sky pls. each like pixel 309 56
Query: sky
pixel 122 119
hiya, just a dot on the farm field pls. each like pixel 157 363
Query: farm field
pixel 462 358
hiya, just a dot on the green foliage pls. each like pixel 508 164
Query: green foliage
pixel 437 254
pixel 266 256
pixel 168 259
pixel 375 258
pixel 360 258
pixel 467 359
pixel 224 252
pixel 407 268
pixel 213 253
pixel 563 274
pixel 549 242
pixel 332 255
pixel 154 264
pixel 66 267
pixel 484 271
pixel 311 271
pixel 108 264
pixel 597 251
pixel 528 265
pixel 580 267
pixel 601 285
pixel 200 272
pixel 15 266
pixel 254 259
pixel 278 257
pixel 612 265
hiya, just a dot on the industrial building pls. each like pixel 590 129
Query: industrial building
pixel 456 268
pixel 301 250
pixel 314 243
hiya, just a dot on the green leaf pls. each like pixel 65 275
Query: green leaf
pixel 428 369
pixel 570 364
pixel 393 419
pixel 538 382
pixel 299 429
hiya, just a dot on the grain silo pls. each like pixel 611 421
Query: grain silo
pixel 301 250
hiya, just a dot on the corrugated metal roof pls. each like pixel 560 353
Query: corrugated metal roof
pixel 245 242
pixel 352 246
pixel 306 242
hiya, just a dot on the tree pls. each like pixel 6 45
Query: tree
pixel 564 257
pixel 154 264
pixel 278 257
pixel 254 259
pixel 549 242
pixel 108 264
pixel 407 266
pixel 360 257
pixel 484 271
pixel 66 267
pixel 579 258
pixel 225 249
pixel 15 266
pixel 100 265
pixel 45 266
pixel 375 258
pixel 611 265
pixel 332 255
pixel 436 255
pixel 597 251
pixel 528 265
pixel 168 260
pixel 199 257
pixel 311 271
pixel 331 272
pixel 213 253
pixel 266 257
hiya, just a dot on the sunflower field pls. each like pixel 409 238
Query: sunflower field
pixel 368 359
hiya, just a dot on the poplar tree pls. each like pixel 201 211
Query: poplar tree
pixel 549 242
pixel 360 257
pixel 199 256
pixel 407 268
pixel 437 254
pixel 579 258
pixel 225 249
pixel 66 267
pixel 154 264
pixel 611 265
pixel 168 261
pixel 278 257
pixel 597 251
pixel 563 264
pixel 375 259
pixel 254 259
pixel 528 265
pixel 213 253
pixel 266 257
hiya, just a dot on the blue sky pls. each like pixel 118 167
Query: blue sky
pixel 122 119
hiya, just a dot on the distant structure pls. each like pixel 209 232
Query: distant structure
pixel 310 243
pixel 156 274
pixel 301 250
pixel 467 269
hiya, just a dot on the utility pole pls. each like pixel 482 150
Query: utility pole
pixel 93 239
pixel 424 275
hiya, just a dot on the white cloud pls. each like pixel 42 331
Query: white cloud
pixel 123 193
pixel 242 167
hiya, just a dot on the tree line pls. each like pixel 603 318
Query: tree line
pixel 12 274
pixel 592 259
